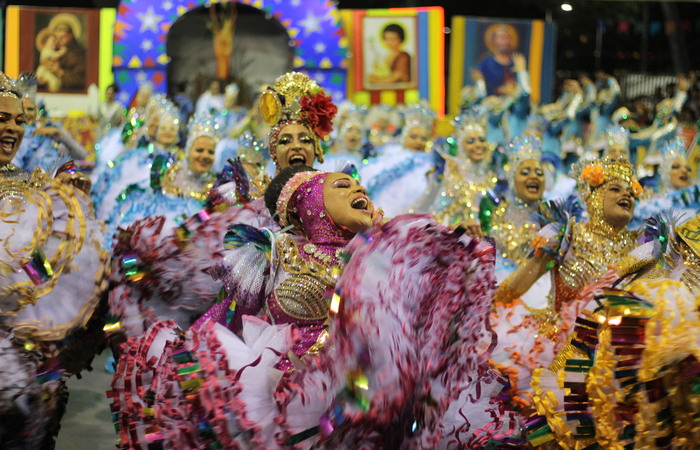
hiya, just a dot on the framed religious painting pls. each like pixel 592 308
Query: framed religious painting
pixel 397 55
pixel 64 50
pixel 485 47
pixel 389 53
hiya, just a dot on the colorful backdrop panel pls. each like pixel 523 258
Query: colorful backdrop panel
pixel 397 56
pixel 475 42
pixel 313 26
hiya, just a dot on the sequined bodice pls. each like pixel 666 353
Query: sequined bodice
pixel 15 181
pixel 463 185
pixel 589 256
pixel 10 171
pixel 513 230
pixel 180 182
pixel 301 298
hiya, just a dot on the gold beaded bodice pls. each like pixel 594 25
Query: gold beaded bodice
pixel 463 185
pixel 513 230
pixel 14 182
pixel 303 294
pixel 302 297
pixel 180 183
pixel 589 255
pixel 10 171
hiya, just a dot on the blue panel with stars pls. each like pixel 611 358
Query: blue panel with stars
pixel 142 26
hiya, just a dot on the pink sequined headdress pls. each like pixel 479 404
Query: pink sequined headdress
pixel 303 196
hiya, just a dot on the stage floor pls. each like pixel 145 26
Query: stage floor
pixel 87 423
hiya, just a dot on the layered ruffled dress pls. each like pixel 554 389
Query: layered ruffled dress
pixel 38 152
pixel 174 193
pixel 628 377
pixel 532 328
pixel 131 169
pixel 397 178
pixel 393 354
pixel 159 269
pixel 107 150
pixel 52 274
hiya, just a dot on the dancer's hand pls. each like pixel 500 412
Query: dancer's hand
pixel 378 217
pixel 573 86
pixel 470 227
pixel 78 180
pixel 519 62
pixel 476 75
pixel 585 80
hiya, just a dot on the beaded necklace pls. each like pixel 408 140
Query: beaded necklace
pixel 309 260
pixel 593 248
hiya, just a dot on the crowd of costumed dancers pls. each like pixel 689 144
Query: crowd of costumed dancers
pixel 306 275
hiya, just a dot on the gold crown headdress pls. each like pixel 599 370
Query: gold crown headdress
pixel 295 98
pixel 592 174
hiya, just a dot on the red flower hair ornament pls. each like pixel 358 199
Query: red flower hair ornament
pixel 318 111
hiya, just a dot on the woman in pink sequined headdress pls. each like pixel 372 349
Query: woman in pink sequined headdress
pixel 327 209
pixel 313 348
pixel 322 212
